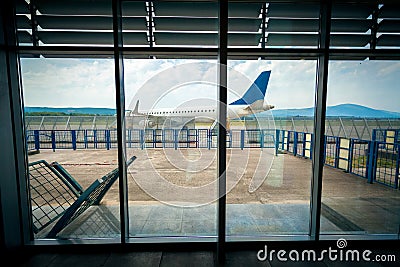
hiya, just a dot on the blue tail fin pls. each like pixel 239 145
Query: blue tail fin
pixel 256 91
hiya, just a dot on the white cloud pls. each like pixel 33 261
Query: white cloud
pixel 68 83
pixel 369 83
pixel 90 82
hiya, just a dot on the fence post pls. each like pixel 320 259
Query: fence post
pixel 154 139
pixel 277 133
pixel 374 135
pixel 85 138
pixel 209 138
pixel 197 137
pixel 95 138
pixel 73 138
pixel 129 138
pixel 176 138
pixel 187 138
pixel 141 138
pixel 229 138
pixel 372 157
pixel 53 141
pixel 337 151
pixel 261 138
pixel 241 139
pixel 36 135
pixel 350 160
pixel 163 137
pixel 295 138
pixel 396 178
pixel 108 143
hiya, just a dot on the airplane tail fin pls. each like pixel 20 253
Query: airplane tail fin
pixel 256 91
pixel 135 111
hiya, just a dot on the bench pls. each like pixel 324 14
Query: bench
pixel 56 197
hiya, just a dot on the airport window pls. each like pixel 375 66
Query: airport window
pixel 165 197
pixel 269 174
pixel 367 173
pixel 68 50
pixel 76 138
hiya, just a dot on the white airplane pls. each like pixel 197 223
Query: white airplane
pixel 251 102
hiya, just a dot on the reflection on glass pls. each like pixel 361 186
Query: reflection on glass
pixel 69 113
pixel 269 169
pixel 360 188
pixel 172 186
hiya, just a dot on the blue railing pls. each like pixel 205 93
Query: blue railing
pixel 386 135
pixel 377 161
pixel 147 138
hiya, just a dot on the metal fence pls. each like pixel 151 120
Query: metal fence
pixel 376 160
pixel 348 127
pixel 147 138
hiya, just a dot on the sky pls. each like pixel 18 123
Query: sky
pixel 174 82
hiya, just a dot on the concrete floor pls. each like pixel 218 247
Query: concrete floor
pixel 278 206
pixel 158 220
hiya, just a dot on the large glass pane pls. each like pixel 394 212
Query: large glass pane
pixel 360 183
pixel 269 166
pixel 172 185
pixel 71 142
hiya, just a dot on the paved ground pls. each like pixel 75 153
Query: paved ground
pixel 172 193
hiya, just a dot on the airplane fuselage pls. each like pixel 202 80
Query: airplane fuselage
pixel 207 112
pixel 251 102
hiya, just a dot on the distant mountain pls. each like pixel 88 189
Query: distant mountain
pixel 71 111
pixel 342 110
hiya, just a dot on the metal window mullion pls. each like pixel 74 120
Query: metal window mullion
pixel 14 202
pixel 319 119
pixel 222 112
pixel 120 105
